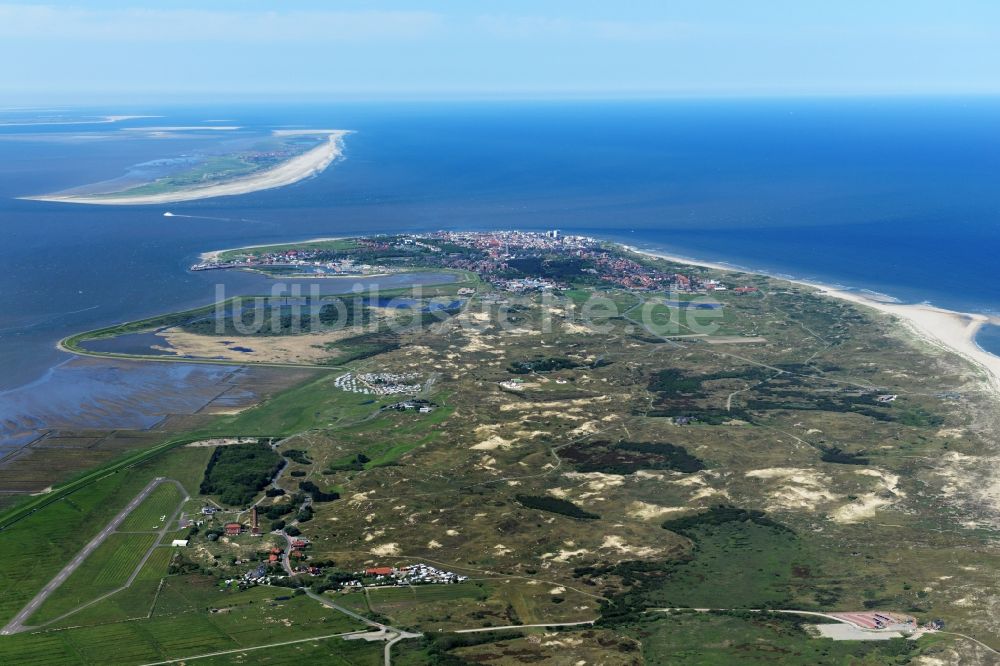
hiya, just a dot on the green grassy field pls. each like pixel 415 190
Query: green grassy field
pixel 332 651
pixel 154 510
pixel 132 464
pixel 246 619
pixel 669 320
pixel 194 593
pixel 425 593
pixel 316 403
pixel 389 455
pixel 741 565
pixel 383 453
pixel 63 527
pixel 427 606
pixel 132 603
pixel 336 244
pixel 106 569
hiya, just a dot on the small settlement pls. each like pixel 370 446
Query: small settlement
pixel 378 383
pixel 412 574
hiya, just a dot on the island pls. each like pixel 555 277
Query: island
pixel 286 157
pixel 542 447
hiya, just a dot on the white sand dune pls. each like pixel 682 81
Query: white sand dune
pixel 298 168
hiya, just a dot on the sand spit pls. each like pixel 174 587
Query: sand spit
pixel 292 171
pixel 212 255
pixel 100 120
pixel 944 329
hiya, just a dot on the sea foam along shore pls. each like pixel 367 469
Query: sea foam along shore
pixel 945 329
pixel 299 167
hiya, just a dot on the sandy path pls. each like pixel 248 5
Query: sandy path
pixel 298 168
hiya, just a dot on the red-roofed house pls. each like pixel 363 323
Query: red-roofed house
pixel 232 529
pixel 379 571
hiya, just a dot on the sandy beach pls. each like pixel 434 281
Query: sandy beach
pixel 298 168
pixel 944 329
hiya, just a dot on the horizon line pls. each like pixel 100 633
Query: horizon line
pixel 18 102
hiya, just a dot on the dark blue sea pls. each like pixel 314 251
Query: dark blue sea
pixel 899 196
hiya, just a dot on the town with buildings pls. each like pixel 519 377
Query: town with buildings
pixel 497 252
pixel 514 261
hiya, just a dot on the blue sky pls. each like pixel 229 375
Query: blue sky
pixel 88 51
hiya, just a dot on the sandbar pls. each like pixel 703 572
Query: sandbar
pixel 302 166
pixel 184 128
pixel 99 120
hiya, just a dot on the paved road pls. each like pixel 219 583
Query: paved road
pixel 16 625
pixel 251 648
pixel 787 611
pixel 525 626
pixel 390 634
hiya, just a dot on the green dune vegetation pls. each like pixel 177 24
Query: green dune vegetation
pixel 602 490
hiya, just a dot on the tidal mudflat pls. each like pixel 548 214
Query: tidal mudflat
pixel 88 410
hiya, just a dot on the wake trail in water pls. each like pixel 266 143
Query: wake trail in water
pixel 206 217
pixel 46 320
pixel 216 219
